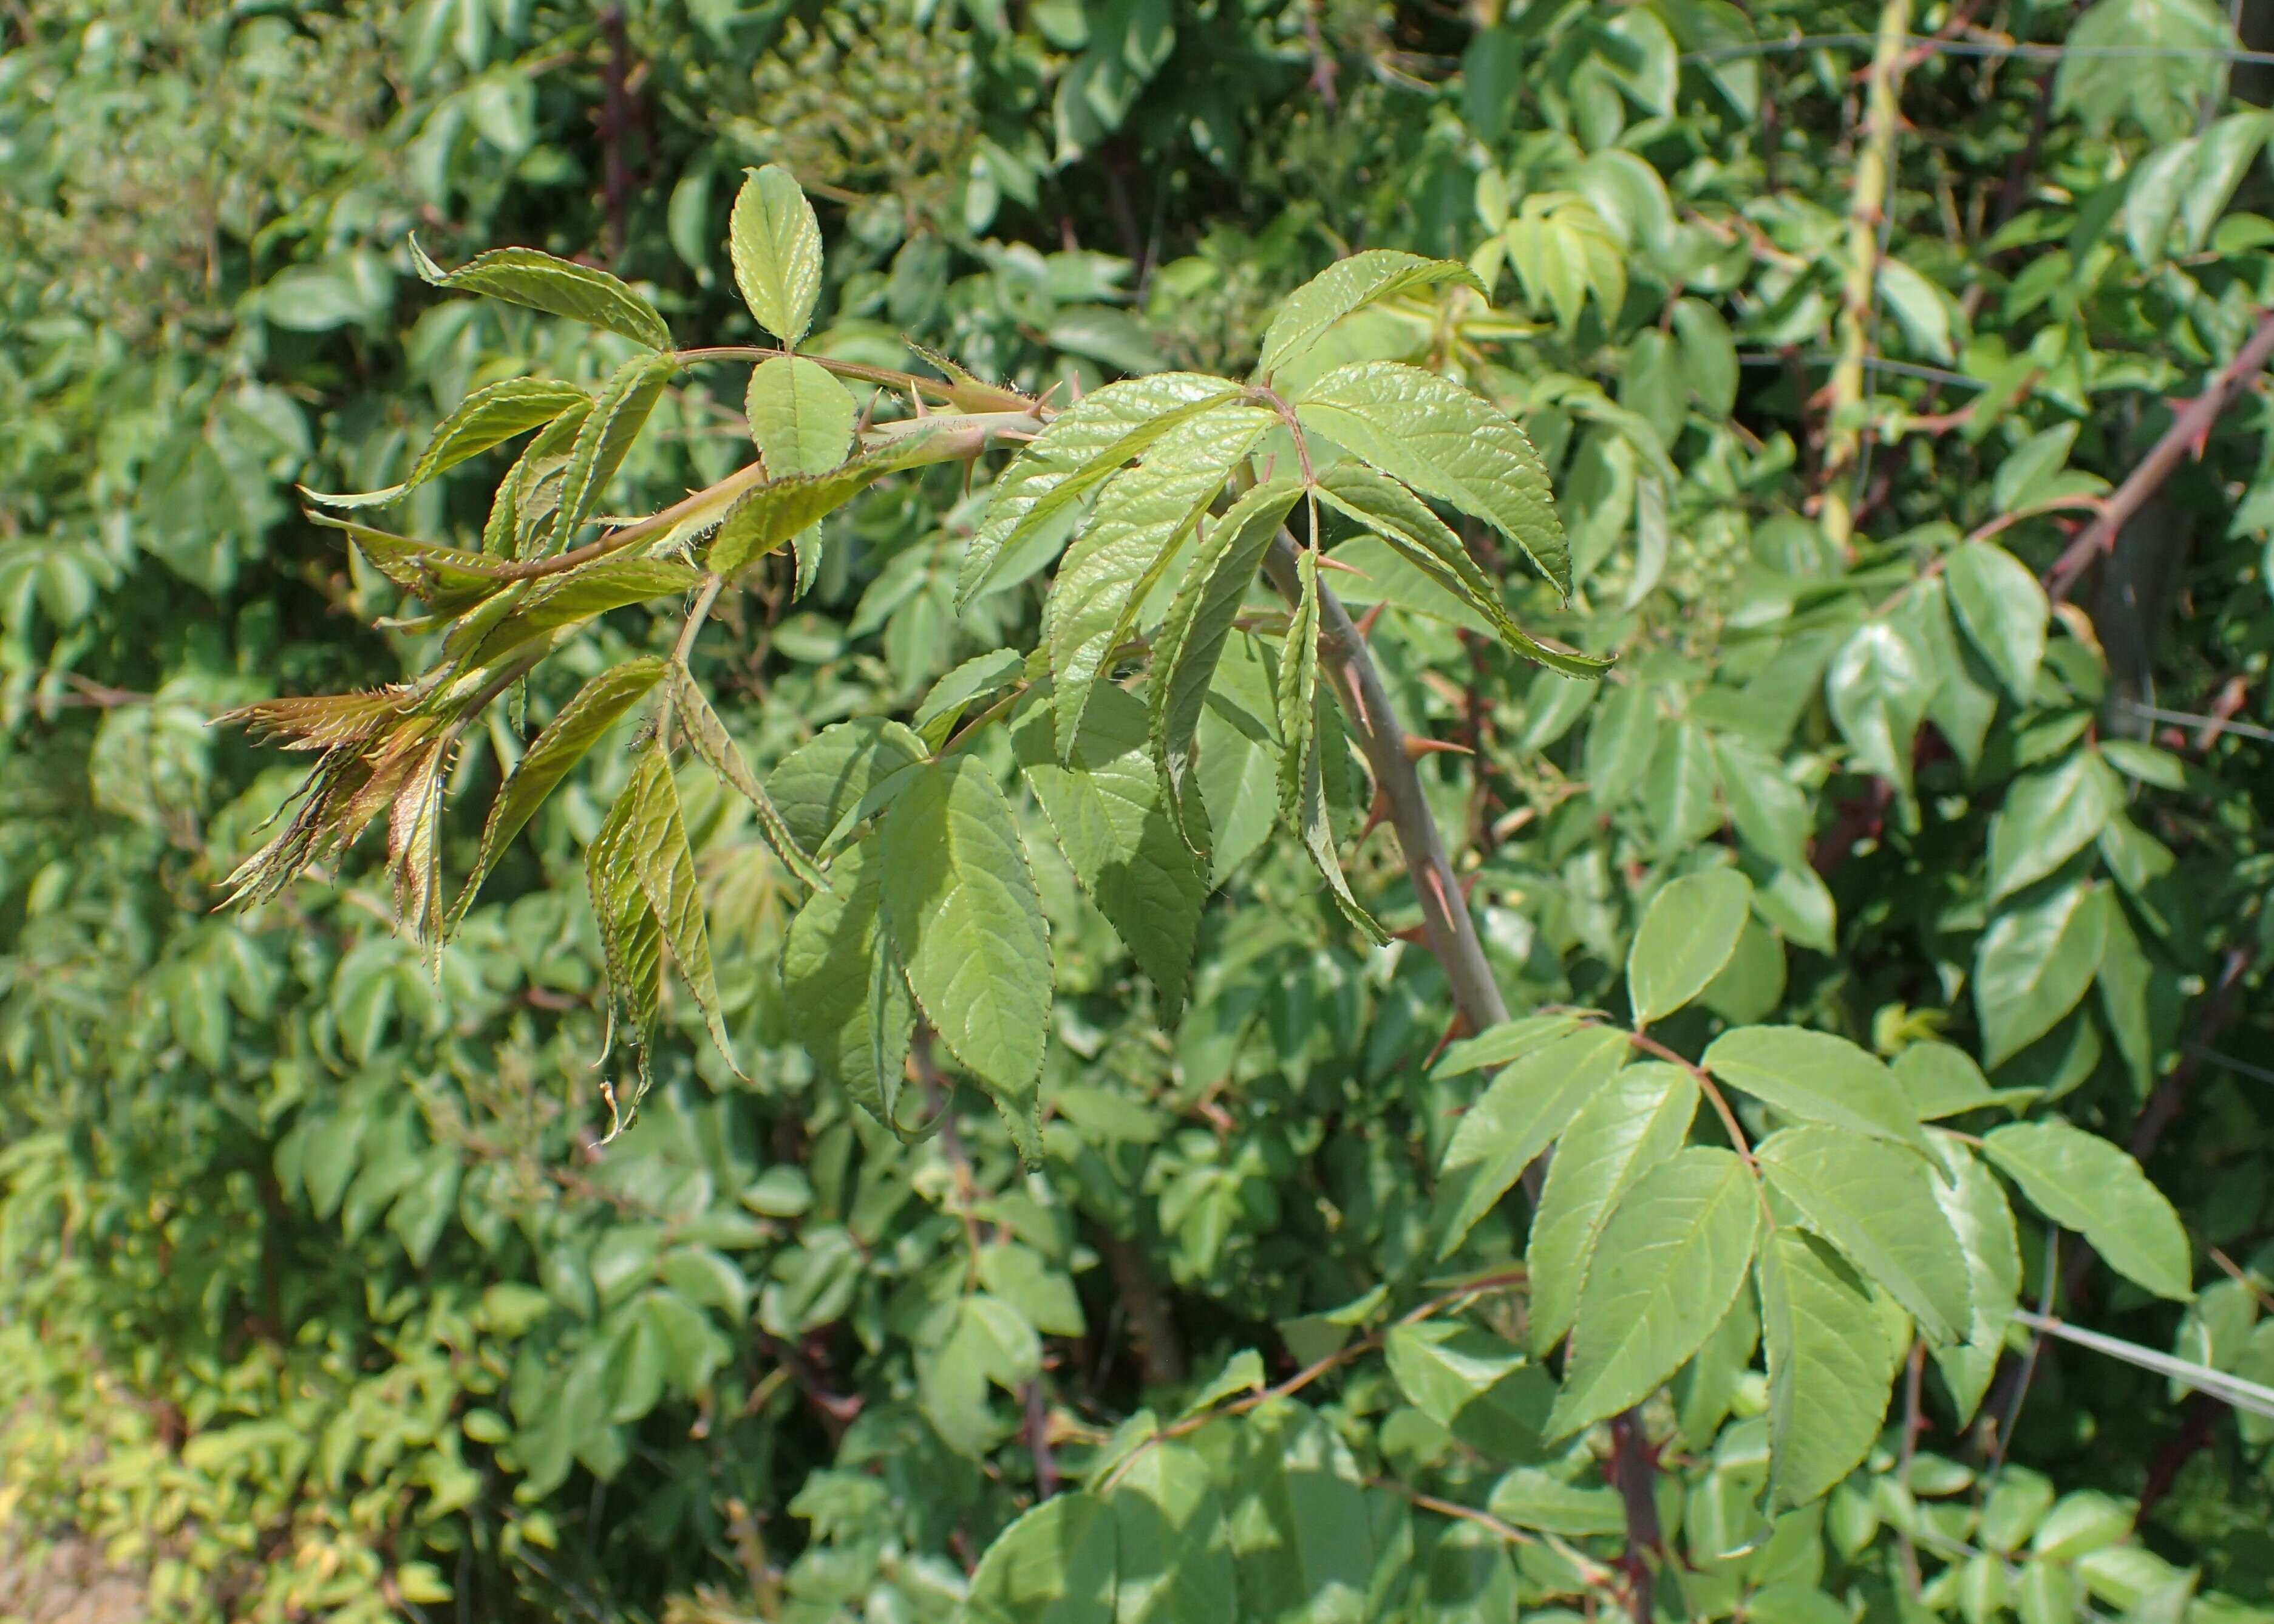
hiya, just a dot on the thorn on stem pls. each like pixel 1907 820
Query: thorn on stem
pixel 1417 746
pixel 1366 621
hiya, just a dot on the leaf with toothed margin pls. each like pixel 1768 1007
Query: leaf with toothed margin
pixel 1306 732
pixel 1191 638
pixel 1141 514
pixel 712 742
pixel 845 996
pixel 1347 286
pixel 1086 443
pixel 1672 1259
pixel 488 416
pixel 582 723
pixel 1103 803
pixel 1423 540
pixel 1432 434
pixel 775 244
pixel 664 865
pixel 1830 1366
pixel 615 420
pixel 963 912
pixel 558 287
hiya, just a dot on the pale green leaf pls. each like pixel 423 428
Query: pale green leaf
pixel 614 421
pixel 1085 443
pixel 1686 935
pixel 1104 803
pixel 963 914
pixel 1973 1204
pixel 1829 1367
pixel 1442 440
pixel 712 742
pixel 843 992
pixel 1192 637
pixel 2083 1183
pixel 559 286
pixel 1497 1046
pixel 770 514
pixel 1639 1118
pixel 2033 965
pixel 1620 741
pixel 1516 1118
pixel 1422 539
pixel 1671 1260
pixel 1678 788
pixel 1879 690
pixel 2050 815
pixel 942 707
pixel 1141 514
pixel 2003 610
pixel 1876 1202
pixel 844 774
pixel 631 940
pixel 1302 1539
pixel 656 845
pixel 548 605
pixel 775 244
pixel 1054 1565
pixel 1530 1497
pixel 2152 201
pixel 1307 732
pixel 1471 1382
pixel 1941 1080
pixel 1345 286
pixel 1816 1076
pixel 1174 1563
pixel 1769 811
pixel 800 416
pixel 582 723
pixel 488 416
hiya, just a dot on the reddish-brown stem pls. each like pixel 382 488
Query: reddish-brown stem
pixel 2188 432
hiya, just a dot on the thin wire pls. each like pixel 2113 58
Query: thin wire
pixel 2037 1346
pixel 1978 48
pixel 2241 1067
pixel 2195 719
pixel 1929 374
pixel 2237 1391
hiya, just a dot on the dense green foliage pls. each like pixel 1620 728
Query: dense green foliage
pixel 885 1069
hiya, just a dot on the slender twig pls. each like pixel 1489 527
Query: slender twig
pixel 1927 46
pixel 1038 1428
pixel 2030 1362
pixel 2188 432
pixel 1914 1374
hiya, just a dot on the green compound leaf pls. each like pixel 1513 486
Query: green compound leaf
pixel 570 599
pixel 1686 937
pixel 1816 1076
pixel 1174 1562
pixel 1141 514
pixel 1308 730
pixel 1830 1366
pixel 442 576
pixel 711 741
pixel 843 774
pixel 775 244
pixel 1879 690
pixel 770 515
pixel 615 420
pixel 1083 447
pixel 1877 1203
pixel 488 416
pixel 1422 539
pixel 631 940
pixel 800 416
pixel 1640 1118
pixel 1054 1565
pixel 843 990
pixel 1516 1118
pixel 530 492
pixel 2004 610
pixel 656 843
pixel 1191 638
pixel 2049 816
pixel 1104 805
pixel 1672 1259
pixel 1346 286
pixel 559 287
pixel 581 724
pixel 1974 1203
pixel 2083 1183
pixel 962 911
pixel 1445 442
pixel 1301 1534
pixel 2034 964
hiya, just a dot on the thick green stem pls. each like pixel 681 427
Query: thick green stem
pixel 1867 203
